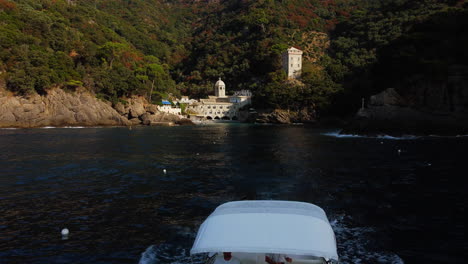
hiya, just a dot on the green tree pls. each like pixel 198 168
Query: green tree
pixel 111 51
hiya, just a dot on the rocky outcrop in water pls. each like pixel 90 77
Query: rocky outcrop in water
pixel 78 108
pixel 139 112
pixel 279 116
pixel 429 113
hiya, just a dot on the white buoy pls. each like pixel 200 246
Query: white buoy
pixel 399 151
pixel 198 154
pixel 381 142
pixel 65 232
pixel 164 170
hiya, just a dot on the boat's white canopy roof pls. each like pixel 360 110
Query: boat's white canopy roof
pixel 280 227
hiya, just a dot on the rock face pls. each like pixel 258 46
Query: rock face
pixel 390 113
pixel 279 116
pixel 79 108
pixel 57 108
pixel 140 112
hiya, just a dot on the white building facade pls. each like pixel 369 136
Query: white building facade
pixel 185 100
pixel 170 110
pixel 220 106
pixel 292 62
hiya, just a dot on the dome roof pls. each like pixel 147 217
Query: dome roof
pixel 219 83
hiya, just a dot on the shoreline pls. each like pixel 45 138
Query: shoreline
pixel 334 132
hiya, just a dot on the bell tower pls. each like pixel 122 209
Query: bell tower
pixel 220 88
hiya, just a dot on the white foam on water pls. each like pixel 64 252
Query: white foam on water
pixel 338 135
pixel 73 127
pixel 46 127
pixel 456 136
pixel 169 254
pixel 354 245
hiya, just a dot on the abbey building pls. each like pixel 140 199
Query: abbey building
pixel 227 107
pixel 220 106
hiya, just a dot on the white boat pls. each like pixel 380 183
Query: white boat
pixel 250 230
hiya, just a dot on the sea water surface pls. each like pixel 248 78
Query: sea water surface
pixel 107 186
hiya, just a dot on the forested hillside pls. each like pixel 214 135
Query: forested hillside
pixel 115 48
pixel 396 43
pixel 119 47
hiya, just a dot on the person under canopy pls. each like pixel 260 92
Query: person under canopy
pixel 227 258
pixel 277 259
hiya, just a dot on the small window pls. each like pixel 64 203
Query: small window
pixel 298 65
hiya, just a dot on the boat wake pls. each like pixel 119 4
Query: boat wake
pixel 168 254
pixel 355 247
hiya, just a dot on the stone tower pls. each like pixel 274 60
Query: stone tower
pixel 292 62
pixel 220 88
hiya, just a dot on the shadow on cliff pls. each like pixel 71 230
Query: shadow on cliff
pixel 428 66
pixel 420 81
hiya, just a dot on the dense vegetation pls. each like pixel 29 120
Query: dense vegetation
pixel 394 43
pixel 154 48
pixel 115 48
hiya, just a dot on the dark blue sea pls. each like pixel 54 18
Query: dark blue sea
pixel 107 186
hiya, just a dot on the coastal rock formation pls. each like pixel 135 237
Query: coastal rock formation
pixel 279 116
pixel 79 108
pixel 139 111
pixel 390 113
pixel 57 108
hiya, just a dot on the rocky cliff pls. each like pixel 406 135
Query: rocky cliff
pixel 423 110
pixel 79 108
pixel 279 116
